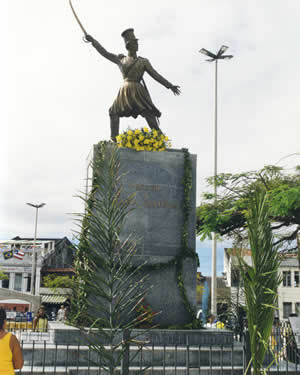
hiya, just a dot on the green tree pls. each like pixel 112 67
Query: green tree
pixel 55 282
pixel 227 215
pixel 261 278
pixel 3 276
pixel 106 282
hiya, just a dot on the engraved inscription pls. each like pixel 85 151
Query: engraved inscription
pixel 160 204
pixel 146 199
pixel 142 187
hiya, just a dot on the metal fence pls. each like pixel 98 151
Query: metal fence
pixel 43 356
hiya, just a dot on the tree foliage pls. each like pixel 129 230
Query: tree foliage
pixel 226 213
pixel 55 282
pixel 3 276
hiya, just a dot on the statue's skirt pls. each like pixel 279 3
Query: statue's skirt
pixel 133 99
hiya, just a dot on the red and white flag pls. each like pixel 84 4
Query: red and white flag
pixel 18 254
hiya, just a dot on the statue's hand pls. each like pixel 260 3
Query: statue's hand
pixel 176 90
pixel 89 38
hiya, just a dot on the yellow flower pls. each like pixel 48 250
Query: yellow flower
pixel 142 148
pixel 141 137
pixel 154 132
pixel 166 139
pixel 146 141
pixel 128 144
pixel 146 130
pixel 129 138
pixel 161 149
pixel 118 138
pixel 152 140
pixel 130 132
pixel 136 142
pixel 137 131
pixel 119 145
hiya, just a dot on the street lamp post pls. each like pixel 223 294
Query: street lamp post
pixel 215 57
pixel 33 273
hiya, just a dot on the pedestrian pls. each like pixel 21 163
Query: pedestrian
pixel 40 322
pixel 11 356
pixel 61 314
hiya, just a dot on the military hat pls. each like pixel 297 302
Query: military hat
pixel 128 35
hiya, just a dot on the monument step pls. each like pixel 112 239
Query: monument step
pixel 66 355
pixel 63 334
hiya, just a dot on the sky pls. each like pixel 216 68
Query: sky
pixel 56 90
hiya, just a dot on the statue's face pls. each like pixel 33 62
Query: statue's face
pixel 133 46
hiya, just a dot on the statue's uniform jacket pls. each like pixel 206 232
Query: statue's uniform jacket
pixel 133 98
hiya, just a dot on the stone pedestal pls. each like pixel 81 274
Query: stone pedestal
pixel 156 178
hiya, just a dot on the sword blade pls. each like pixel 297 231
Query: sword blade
pixel 77 19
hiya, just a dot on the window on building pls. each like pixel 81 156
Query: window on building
pixel 18 282
pixel 287 309
pixel 297 279
pixel 5 283
pixel 286 278
pixel 28 283
pixel 297 308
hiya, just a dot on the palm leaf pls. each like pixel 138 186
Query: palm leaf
pixel 260 279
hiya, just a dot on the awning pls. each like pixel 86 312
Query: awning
pixel 53 299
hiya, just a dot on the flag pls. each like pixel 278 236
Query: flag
pixel 18 254
pixel 8 254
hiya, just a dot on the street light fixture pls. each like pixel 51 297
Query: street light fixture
pixel 215 57
pixel 33 273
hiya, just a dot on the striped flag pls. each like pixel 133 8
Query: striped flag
pixel 18 254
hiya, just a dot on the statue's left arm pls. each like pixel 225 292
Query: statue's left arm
pixel 159 78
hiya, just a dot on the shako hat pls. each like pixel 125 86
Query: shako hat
pixel 128 35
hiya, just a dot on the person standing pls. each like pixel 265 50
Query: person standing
pixel 11 356
pixel 40 322
pixel 61 314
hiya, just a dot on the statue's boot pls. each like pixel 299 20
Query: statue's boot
pixel 153 123
pixel 114 127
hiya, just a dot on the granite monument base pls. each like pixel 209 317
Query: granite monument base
pixel 156 223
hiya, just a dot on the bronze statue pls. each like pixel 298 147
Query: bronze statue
pixel 133 98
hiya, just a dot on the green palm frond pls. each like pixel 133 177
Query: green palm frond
pixel 260 279
pixel 109 285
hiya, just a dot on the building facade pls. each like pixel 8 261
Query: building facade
pixel 53 255
pixel 288 291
